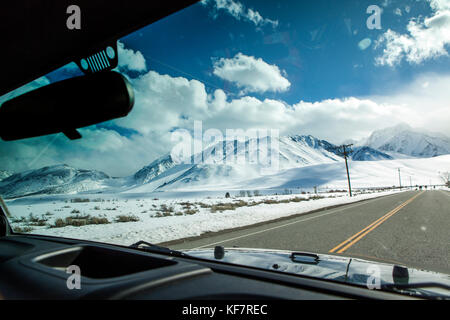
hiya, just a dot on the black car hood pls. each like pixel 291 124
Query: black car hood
pixel 349 270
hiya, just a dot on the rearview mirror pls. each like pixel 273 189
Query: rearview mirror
pixel 66 105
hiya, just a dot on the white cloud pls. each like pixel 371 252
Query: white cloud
pixel 238 11
pixel 427 38
pixel 129 59
pixel 251 74
pixel 440 4
pixel 162 100
pixel 164 103
pixel 98 149
pixel 422 103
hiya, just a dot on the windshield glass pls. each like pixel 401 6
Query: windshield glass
pixel 313 126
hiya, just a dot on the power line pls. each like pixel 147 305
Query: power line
pixel 346 150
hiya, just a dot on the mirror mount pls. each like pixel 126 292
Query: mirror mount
pixel 72 134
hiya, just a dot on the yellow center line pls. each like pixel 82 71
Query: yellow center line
pixel 361 234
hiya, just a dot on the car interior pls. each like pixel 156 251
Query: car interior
pixel 35 266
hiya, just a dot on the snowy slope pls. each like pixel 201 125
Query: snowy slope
pixel 306 150
pixel 219 166
pixel 405 140
pixel 304 162
pixel 4 174
pixel 53 179
pixel 293 151
pixel 160 180
pixel 364 174
pixel 380 172
pixel 154 169
pixel 163 174
pixel 368 154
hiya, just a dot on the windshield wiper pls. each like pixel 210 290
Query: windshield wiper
pixel 150 247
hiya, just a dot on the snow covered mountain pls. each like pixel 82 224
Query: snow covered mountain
pixel 164 173
pixel 154 169
pixel 403 139
pixel 217 166
pixel 51 180
pixel 306 150
pixel 4 174
pixel 368 154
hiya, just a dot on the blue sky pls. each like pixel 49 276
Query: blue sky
pixel 315 42
pixel 301 67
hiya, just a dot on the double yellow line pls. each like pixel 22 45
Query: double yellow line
pixel 361 234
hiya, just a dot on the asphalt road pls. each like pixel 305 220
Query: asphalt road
pixel 410 228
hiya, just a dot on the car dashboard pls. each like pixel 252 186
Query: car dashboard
pixel 35 267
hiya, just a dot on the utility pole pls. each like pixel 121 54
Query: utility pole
pixel 399 179
pixel 345 153
pixel 410 182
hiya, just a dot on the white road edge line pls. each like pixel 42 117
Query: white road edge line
pixel 287 224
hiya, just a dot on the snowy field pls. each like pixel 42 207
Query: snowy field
pixel 128 220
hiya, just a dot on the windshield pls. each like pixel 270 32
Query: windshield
pixel 313 126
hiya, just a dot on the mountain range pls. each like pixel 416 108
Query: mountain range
pixel 52 180
pixel 404 140
pixel 164 174
pixel 4 174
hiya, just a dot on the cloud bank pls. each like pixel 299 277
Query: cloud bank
pixel 426 38
pixel 129 59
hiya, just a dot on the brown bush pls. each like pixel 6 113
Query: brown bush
pixel 78 221
pixel 125 218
